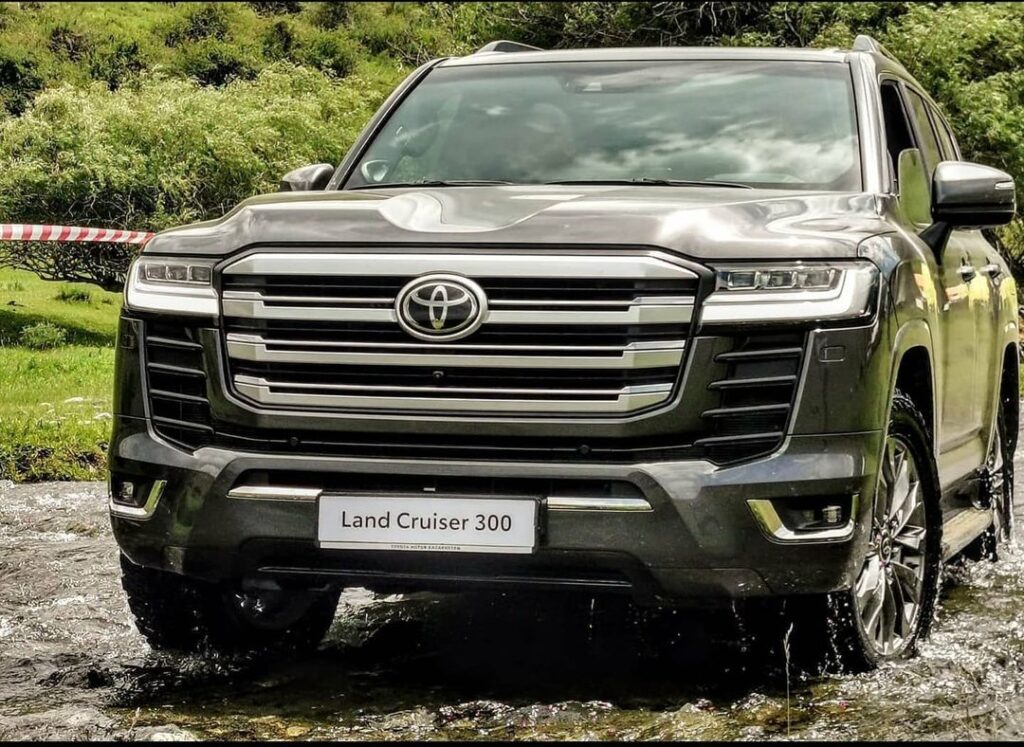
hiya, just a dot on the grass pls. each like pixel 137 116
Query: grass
pixel 55 405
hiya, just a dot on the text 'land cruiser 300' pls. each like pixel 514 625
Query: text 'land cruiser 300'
pixel 686 324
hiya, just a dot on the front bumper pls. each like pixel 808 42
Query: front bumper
pixel 699 542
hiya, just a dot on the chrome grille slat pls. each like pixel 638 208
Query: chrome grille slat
pixel 615 358
pixel 621 401
pixel 635 314
pixel 617 332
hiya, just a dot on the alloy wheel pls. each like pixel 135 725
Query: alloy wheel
pixel 890 588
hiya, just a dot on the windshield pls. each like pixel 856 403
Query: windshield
pixel 784 125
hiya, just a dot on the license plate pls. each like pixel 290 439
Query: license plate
pixel 434 524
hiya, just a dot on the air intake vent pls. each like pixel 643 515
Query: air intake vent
pixel 755 396
pixel 176 384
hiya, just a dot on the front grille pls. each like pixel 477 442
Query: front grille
pixel 176 384
pixel 565 335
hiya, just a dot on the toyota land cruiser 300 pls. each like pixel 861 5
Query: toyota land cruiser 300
pixel 687 324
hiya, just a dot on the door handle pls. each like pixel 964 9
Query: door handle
pixel 967 272
pixel 992 270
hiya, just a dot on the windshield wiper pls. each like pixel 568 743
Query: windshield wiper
pixel 646 180
pixel 436 183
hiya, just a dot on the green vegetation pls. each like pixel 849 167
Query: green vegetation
pixel 56 356
pixel 148 115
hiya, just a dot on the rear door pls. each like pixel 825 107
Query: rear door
pixel 992 268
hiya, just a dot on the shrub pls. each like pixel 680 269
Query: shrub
pixel 164 152
pixel 43 336
pixel 19 80
pixel 73 295
pixel 330 16
pixel 279 41
pixel 215 63
pixel 116 62
pixel 68 43
pixel 275 7
pixel 332 53
pixel 210 20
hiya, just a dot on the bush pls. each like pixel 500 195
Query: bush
pixel 214 63
pixel 19 80
pixel 69 43
pixel 331 53
pixel 73 295
pixel 210 20
pixel 43 336
pixel 330 16
pixel 165 152
pixel 117 62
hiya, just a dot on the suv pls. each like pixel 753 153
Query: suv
pixel 693 325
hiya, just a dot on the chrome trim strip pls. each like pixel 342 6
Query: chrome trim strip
pixel 571 503
pixel 273 493
pixel 140 513
pixel 771 524
pixel 640 314
pixel 234 295
pixel 619 401
pixel 642 266
pixel 627 358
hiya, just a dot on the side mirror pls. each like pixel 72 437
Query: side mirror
pixel 968 195
pixel 307 178
pixel 374 172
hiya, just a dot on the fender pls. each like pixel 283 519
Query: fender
pixel 915 334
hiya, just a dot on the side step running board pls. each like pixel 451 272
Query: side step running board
pixel 963 529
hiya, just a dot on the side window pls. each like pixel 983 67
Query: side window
pixel 949 149
pixel 897 128
pixel 929 143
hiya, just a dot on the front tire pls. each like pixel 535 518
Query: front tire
pixel 890 607
pixel 178 613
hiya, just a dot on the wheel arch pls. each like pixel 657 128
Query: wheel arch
pixel 913 373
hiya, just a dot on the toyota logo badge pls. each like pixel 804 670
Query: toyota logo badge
pixel 441 307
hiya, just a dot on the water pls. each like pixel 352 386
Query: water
pixel 475 667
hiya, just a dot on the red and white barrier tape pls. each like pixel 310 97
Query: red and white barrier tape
pixel 37 232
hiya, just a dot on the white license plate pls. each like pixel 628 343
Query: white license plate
pixel 434 524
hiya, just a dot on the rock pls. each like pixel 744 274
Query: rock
pixel 296 731
pixel 71 400
pixel 166 733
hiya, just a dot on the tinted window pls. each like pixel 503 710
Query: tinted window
pixel 949 151
pixel 929 145
pixel 788 125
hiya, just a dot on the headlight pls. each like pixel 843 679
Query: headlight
pixel 796 292
pixel 178 286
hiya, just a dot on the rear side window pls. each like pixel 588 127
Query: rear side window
pixel 929 143
pixel 949 150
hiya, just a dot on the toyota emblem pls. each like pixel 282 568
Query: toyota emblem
pixel 441 307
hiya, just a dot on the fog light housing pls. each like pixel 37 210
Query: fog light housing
pixel 123 491
pixel 803 519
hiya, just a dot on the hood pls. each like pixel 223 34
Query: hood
pixel 703 223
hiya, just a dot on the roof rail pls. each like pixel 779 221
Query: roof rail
pixel 865 43
pixel 506 46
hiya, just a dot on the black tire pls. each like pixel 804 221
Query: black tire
pixel 178 613
pixel 997 489
pixel 831 633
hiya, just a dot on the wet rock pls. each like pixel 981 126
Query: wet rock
pixel 165 733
